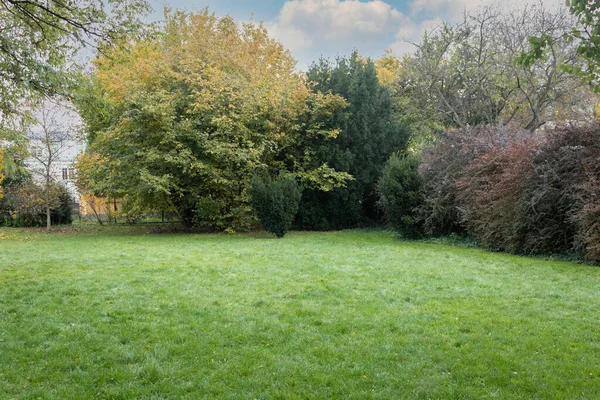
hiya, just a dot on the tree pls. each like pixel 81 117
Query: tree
pixel 472 72
pixel 368 134
pixel 401 193
pixel 275 201
pixel 48 146
pixel 587 33
pixel 183 120
pixel 419 118
pixel 39 41
pixel 1 169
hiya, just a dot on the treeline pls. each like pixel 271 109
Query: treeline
pixel 184 120
pixel 510 190
pixel 210 117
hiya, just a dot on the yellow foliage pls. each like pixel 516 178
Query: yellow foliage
pixel 225 67
pixel 207 101
pixel 598 112
pixel 388 67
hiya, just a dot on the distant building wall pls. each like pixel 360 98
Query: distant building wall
pixel 62 169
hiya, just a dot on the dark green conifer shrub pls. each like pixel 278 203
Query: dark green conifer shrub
pixel 275 201
pixel 400 188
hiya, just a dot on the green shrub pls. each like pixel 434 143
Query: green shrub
pixel 63 214
pixel 400 189
pixel 275 201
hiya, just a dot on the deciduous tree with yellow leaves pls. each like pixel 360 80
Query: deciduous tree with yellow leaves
pixel 182 121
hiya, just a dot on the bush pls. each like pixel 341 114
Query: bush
pixel 556 210
pixel 23 206
pixel 63 214
pixel 489 190
pixel 275 201
pixel 443 164
pixel 400 189
pixel 587 220
pixel 516 191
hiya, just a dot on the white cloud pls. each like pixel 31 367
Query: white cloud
pixel 339 25
pixel 310 28
pixel 412 33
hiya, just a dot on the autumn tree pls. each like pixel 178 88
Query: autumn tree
pixel 182 121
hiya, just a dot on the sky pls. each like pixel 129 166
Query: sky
pixel 314 28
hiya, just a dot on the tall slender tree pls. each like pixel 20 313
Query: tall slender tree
pixel 48 146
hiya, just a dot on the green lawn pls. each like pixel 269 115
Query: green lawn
pixel 120 314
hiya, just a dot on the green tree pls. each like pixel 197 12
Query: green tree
pixel 419 118
pixel 275 201
pixel 39 41
pixel 587 33
pixel 1 169
pixel 368 134
pixel 401 193
pixel 183 120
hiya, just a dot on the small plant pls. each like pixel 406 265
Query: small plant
pixel 400 189
pixel 275 201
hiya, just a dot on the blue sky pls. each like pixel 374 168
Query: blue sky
pixel 314 28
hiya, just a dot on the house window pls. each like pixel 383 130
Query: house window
pixel 71 173
pixel 65 174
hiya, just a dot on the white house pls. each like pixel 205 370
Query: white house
pixel 59 152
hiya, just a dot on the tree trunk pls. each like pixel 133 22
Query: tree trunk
pixel 48 221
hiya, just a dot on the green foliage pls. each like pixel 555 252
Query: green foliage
pixel 181 121
pixel 63 213
pixel 368 135
pixel 484 70
pixel 275 201
pixel 421 121
pixel 401 194
pixel 587 34
pixel 1 169
pixel 24 204
pixel 39 42
pixel 24 200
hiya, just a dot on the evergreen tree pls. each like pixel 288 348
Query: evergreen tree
pixel 275 201
pixel 368 136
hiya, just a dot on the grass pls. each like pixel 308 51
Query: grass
pixel 120 314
